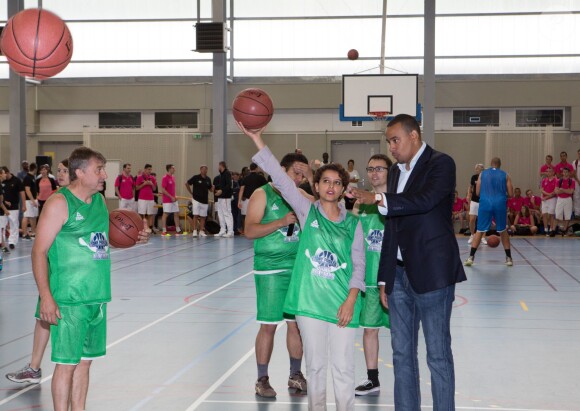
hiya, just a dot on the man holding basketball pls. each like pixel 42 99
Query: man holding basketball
pixel 72 269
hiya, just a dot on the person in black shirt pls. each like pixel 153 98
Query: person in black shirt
pixel 248 185
pixel 199 187
pixel 224 193
pixel 13 197
pixel 3 214
pixel 474 203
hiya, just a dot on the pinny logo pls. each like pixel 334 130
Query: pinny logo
pixel 98 244
pixel 375 240
pixel 324 263
pixel 290 238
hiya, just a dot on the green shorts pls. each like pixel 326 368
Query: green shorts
pixel 81 333
pixel 271 292
pixel 373 314
pixel 37 312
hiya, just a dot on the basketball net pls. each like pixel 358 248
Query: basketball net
pixel 380 119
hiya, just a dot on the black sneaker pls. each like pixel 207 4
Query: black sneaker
pixel 11 246
pixel 27 237
pixel 6 250
pixel 367 387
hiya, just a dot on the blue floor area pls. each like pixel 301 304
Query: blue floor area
pixel 182 330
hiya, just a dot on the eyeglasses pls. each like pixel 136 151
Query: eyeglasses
pixel 378 169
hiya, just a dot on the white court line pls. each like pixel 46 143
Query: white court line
pixel 14 276
pixel 30 387
pixel 224 377
pixel 285 403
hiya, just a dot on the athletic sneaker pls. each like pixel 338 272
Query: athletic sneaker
pixel 165 234
pixel 470 239
pixel 483 241
pixel 11 246
pixel 298 381
pixel 220 234
pixel 6 250
pixel 27 237
pixel 264 389
pixel 26 374
pixel 367 387
pixel 202 234
pixel 228 235
pixel 508 261
pixel 469 261
pixel 194 233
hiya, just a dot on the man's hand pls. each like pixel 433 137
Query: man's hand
pixel 363 196
pixel 49 311
pixel 288 219
pixel 345 312
pixel 383 296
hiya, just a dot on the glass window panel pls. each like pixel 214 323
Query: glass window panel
pixel 326 38
pixel 511 35
pixel 176 119
pixel 541 65
pixel 79 70
pixel 120 120
pixel 268 8
pixel 503 6
pixel 129 41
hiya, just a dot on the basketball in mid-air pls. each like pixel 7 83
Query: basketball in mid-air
pixel 493 241
pixel 352 54
pixel 37 43
pixel 124 227
pixel 253 108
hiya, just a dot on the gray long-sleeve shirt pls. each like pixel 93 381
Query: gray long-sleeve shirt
pixel 301 206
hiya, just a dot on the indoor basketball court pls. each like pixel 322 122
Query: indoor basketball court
pixel 164 85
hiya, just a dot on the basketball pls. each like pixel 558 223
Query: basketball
pixel 492 241
pixel 124 227
pixel 37 43
pixel 253 108
pixel 352 54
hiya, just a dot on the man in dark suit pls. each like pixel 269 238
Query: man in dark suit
pixel 420 262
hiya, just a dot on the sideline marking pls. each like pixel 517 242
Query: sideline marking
pixel 225 376
pixel 30 387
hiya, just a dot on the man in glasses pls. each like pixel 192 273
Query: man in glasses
pixel 373 315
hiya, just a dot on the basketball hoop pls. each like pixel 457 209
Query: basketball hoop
pixel 380 118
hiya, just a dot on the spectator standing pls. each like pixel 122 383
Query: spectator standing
pixel 564 191
pixel 558 168
pixel 199 187
pixel 224 207
pixel 13 197
pixel 125 189
pixel 170 203
pixel 549 198
pixel 4 213
pixel 46 186
pixel 23 171
pixel 576 175
pixel 354 178
pixel 544 167
pixel 147 184
pixel 31 195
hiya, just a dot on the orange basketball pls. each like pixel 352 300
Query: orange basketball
pixel 492 241
pixel 253 108
pixel 352 54
pixel 124 227
pixel 37 43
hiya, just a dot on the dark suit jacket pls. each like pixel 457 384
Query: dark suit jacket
pixel 419 221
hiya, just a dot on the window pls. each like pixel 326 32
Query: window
pixel 475 118
pixel 170 119
pixel 120 120
pixel 539 118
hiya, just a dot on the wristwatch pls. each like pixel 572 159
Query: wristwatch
pixel 378 198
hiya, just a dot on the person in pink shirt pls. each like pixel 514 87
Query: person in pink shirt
pixel 576 176
pixel 170 204
pixel 146 184
pixel 548 188
pixel 524 223
pixel 515 205
pixel 125 189
pixel 534 203
pixel 558 168
pixel 544 168
pixel 458 210
pixel 564 191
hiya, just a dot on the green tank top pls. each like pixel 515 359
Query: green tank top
pixel 373 224
pixel 79 261
pixel 323 269
pixel 275 252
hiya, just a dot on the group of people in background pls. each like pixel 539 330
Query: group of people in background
pixel 550 212
pixel 22 197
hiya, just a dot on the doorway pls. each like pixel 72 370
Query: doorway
pixel 358 150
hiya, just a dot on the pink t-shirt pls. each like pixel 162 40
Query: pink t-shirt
pixel 168 183
pixel 549 185
pixel 544 168
pixel 566 184
pixel 125 184
pixel 533 202
pixel 44 189
pixel 524 220
pixel 515 204
pixel 459 204
pixel 146 192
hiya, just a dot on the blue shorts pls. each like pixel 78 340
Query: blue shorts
pixel 485 216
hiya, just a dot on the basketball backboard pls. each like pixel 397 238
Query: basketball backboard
pixel 366 93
